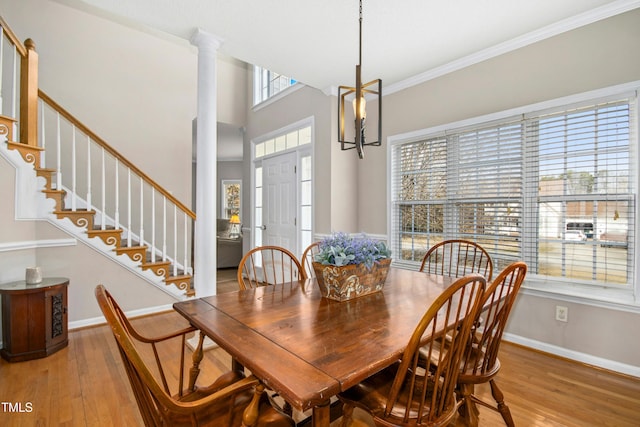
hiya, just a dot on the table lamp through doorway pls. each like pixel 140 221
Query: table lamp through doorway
pixel 234 228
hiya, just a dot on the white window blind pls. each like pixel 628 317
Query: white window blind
pixel 583 216
pixel 555 189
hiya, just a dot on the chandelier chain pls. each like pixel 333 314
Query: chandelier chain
pixel 360 37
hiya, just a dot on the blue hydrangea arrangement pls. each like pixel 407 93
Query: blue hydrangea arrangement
pixel 341 249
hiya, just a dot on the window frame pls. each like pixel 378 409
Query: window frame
pixel 224 183
pixel 261 100
pixel 540 285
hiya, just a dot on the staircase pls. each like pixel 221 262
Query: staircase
pixel 86 221
pixel 98 195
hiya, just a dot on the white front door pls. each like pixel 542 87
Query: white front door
pixel 279 201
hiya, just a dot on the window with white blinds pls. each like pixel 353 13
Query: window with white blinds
pixel 555 189
pixel 583 210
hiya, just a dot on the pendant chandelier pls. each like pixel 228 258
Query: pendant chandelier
pixel 357 96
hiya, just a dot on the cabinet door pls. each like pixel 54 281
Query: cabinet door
pixel 56 316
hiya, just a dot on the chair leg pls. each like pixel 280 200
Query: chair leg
pixel 287 409
pixel 284 407
pixel 236 366
pixel 251 412
pixel 502 407
pixel 197 356
pixel 468 410
pixel 347 415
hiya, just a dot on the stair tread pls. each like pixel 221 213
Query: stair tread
pixel 108 229
pixel 157 263
pixel 84 211
pixel 180 276
pixel 22 145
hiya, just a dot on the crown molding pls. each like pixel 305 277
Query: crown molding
pixel 595 15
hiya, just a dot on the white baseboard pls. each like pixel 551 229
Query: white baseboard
pixel 130 314
pixel 588 359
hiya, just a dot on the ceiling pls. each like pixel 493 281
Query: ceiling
pixel 316 41
pixel 405 42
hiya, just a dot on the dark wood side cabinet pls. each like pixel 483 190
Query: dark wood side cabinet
pixel 34 318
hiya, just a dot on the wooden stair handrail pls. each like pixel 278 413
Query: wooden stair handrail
pixel 12 37
pixel 113 152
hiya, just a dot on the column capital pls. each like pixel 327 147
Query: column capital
pixel 203 40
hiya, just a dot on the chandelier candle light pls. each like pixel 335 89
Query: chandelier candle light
pixel 358 93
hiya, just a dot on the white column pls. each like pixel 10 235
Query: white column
pixel 206 158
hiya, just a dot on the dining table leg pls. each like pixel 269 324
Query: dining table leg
pixel 321 414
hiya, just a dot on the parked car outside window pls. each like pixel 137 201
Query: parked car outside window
pixel 577 235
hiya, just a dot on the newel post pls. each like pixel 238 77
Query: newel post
pixel 29 95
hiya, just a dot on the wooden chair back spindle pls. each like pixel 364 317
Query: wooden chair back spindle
pixel 232 399
pixel 481 358
pixel 457 258
pixel 407 394
pixel 308 257
pixel 268 265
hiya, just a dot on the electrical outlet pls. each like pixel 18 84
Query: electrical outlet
pixel 562 313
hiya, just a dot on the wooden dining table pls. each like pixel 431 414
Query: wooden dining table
pixel 308 348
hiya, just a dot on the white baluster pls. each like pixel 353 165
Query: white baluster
pixel 164 228
pixel 103 184
pixel 43 136
pixel 175 240
pixel 128 207
pixel 14 92
pixel 89 173
pixel 153 224
pixel 73 168
pixel 141 211
pixel 58 154
pixel 116 216
pixel 186 243
pixel 1 63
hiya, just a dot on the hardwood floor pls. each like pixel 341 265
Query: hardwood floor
pixel 86 385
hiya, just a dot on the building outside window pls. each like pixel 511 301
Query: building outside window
pixel 555 188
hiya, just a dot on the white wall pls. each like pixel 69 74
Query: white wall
pixel 592 57
pixel 600 55
pixel 136 91
pixel 13 262
pixel 351 195
pixel 113 85
pixel 336 180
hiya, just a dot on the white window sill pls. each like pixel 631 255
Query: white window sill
pixel 277 97
pixel 614 298
pixel 597 296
